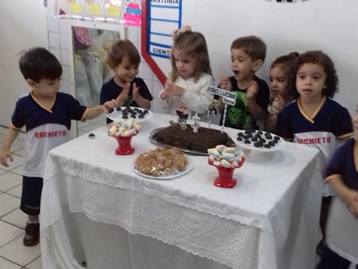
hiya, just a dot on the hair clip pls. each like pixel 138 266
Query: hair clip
pixel 294 54
pixel 178 32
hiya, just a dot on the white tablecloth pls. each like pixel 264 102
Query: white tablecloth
pixel 95 208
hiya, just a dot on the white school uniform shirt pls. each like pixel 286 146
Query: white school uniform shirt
pixel 46 127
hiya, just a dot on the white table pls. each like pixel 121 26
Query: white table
pixel 96 209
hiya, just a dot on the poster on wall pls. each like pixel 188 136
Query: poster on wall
pixel 126 12
pixel 133 13
pixel 163 18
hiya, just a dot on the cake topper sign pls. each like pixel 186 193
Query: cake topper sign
pixel 229 98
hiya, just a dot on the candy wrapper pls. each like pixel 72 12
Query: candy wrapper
pixel 228 157
pixel 124 128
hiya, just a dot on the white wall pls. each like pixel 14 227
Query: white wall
pixel 22 25
pixel 328 25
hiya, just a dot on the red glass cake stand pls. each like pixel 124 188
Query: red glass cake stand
pixel 124 145
pixel 225 178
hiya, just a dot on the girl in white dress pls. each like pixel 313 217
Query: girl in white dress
pixel 191 74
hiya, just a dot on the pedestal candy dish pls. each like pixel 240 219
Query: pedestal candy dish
pixel 226 160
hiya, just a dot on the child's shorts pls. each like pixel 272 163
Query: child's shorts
pixel 31 195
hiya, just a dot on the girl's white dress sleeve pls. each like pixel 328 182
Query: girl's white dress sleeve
pixel 195 97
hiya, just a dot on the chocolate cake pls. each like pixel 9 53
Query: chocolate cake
pixel 186 139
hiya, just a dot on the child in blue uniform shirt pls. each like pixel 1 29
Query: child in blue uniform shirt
pixel 342 224
pixel 314 119
pixel 46 114
pixel 124 59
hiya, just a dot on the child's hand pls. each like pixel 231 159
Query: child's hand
pixel 252 90
pixel 6 153
pixel 277 104
pixel 225 84
pixel 109 104
pixel 135 93
pixel 353 206
pixel 171 89
pixel 165 93
pixel 125 92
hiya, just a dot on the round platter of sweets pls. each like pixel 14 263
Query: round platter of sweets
pixel 257 140
pixel 128 112
pixel 162 163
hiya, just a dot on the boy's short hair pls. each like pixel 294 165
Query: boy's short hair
pixel 38 63
pixel 254 46
pixel 119 49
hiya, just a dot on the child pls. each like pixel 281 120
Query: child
pixel 247 56
pixel 190 76
pixel 124 59
pixel 314 118
pixel 341 234
pixel 279 74
pixel 46 114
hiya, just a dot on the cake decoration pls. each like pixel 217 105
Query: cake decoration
pixel 183 125
pixel 182 116
pixel 228 157
pixel 213 110
pixel 124 128
pixel 195 125
pixel 229 98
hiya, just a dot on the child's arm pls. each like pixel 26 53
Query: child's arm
pixel 167 102
pixel 140 100
pixel 95 111
pixel 122 97
pixel 347 195
pixel 6 152
pixel 271 120
pixel 251 92
pixel 195 97
pixel 171 89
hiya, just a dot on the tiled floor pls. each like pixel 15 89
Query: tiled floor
pixel 13 254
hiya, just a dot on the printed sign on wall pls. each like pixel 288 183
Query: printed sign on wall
pixel 164 16
pixel 105 10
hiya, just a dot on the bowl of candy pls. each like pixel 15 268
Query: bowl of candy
pixel 123 131
pixel 225 160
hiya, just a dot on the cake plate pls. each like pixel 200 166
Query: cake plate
pixel 188 151
pixel 151 138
